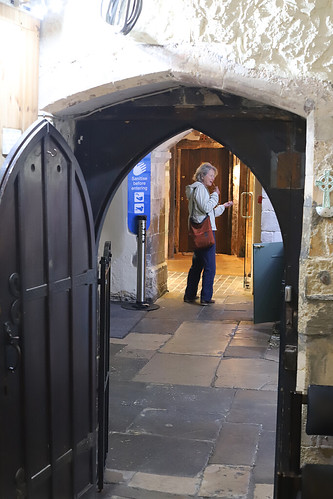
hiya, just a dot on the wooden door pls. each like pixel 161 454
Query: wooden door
pixel 190 159
pixel 48 282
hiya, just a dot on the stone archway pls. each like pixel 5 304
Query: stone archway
pixel 269 140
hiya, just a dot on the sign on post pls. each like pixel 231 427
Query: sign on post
pixel 138 199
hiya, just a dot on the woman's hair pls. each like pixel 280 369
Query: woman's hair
pixel 202 171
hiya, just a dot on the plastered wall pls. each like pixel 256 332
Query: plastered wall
pixel 275 50
pixel 267 34
pixel 124 243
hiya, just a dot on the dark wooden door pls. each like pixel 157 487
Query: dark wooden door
pixel 190 159
pixel 48 320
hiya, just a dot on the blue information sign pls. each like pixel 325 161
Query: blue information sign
pixel 138 199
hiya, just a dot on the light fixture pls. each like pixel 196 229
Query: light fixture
pixel 123 14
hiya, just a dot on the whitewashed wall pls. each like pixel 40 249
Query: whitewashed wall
pixel 277 51
pixel 123 247
pixel 124 243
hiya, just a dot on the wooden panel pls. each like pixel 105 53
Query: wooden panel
pixel 190 160
pixel 185 179
pixel 248 211
pixel 173 232
pixel 289 168
pixel 19 38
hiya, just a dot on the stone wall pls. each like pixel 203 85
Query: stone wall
pixel 270 229
pixel 157 271
pixel 316 272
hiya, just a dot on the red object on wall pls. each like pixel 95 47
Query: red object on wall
pixel 259 199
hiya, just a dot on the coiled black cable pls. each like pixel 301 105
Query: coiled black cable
pixel 123 13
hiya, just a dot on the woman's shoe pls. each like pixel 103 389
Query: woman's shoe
pixel 190 300
pixel 209 302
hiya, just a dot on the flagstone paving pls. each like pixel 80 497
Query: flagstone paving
pixel 193 397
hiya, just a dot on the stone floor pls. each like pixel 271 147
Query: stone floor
pixel 192 399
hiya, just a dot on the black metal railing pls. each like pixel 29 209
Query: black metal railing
pixel 103 361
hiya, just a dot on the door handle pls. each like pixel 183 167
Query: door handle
pixel 12 342
pixel 243 195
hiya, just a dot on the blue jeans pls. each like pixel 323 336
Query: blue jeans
pixel 202 260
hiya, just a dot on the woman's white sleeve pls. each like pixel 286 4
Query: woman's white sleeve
pixel 219 210
pixel 204 201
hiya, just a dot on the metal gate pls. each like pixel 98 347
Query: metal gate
pixel 104 362
pixel 48 282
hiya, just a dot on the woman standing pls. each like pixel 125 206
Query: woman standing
pixel 201 204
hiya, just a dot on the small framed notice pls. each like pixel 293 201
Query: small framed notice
pixel 9 138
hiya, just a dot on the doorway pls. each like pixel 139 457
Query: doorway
pixel 264 138
pixel 190 155
pixel 239 227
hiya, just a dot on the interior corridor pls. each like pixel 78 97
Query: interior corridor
pixel 192 395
